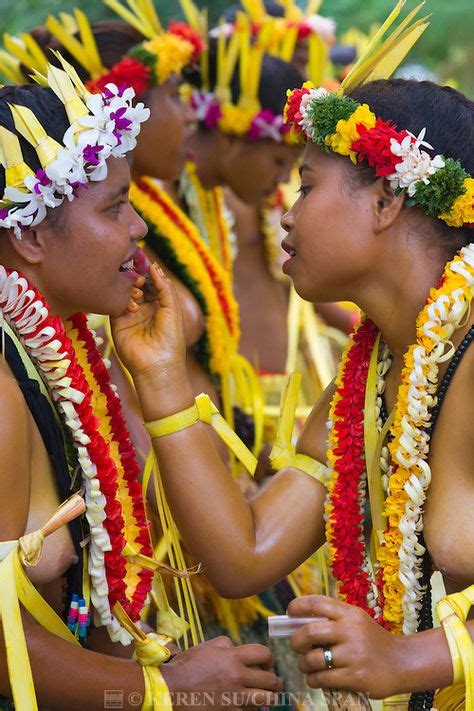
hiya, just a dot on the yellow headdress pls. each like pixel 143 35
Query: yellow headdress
pixel 21 51
pixel 100 126
pixel 163 52
pixel 296 24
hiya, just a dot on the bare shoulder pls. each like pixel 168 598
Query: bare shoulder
pixel 15 456
pixel 313 439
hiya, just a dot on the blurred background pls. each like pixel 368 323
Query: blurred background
pixel 446 50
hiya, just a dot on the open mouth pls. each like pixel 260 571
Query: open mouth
pixel 127 266
pixel 288 249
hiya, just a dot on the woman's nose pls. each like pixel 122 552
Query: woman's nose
pixel 287 221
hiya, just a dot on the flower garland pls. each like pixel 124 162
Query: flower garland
pixel 235 120
pixel 105 126
pixel 439 185
pixel 79 384
pixel 211 216
pixel 178 243
pixel 401 556
pixel 152 62
pixel 347 480
pixel 398 565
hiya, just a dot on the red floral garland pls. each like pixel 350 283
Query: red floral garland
pixel 346 497
pixel 114 522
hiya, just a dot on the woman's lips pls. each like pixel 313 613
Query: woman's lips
pixel 141 263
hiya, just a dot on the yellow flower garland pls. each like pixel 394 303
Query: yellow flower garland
pixel 213 281
pixel 454 287
pixel 462 211
pixel 347 132
pixel 212 213
pixel 172 54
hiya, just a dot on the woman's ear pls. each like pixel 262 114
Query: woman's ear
pixel 386 205
pixel 30 246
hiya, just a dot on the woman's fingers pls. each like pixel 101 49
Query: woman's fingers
pixel 255 698
pixel 314 634
pixel 317 606
pixel 255 655
pixel 261 679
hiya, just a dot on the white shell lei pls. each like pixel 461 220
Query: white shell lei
pixel 445 314
pixel 25 312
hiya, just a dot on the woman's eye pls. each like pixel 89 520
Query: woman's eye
pixel 116 208
pixel 304 190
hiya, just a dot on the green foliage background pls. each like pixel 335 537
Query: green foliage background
pixel 447 47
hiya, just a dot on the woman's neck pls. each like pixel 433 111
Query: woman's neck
pixel 394 296
pixel 204 147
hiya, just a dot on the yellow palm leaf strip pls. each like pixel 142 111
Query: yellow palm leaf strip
pixel 89 44
pixel 70 43
pixel 390 48
pixel 318 57
pixel 365 64
pixel 11 68
pixel 313 7
pixel 386 67
pixel 133 18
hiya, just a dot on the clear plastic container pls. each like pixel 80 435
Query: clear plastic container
pixel 284 626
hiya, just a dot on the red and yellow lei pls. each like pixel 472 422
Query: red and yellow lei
pixel 68 360
pixel 393 594
pixel 214 225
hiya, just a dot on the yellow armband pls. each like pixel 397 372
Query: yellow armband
pixel 205 411
pixel 283 453
pixel 157 696
pixel 452 612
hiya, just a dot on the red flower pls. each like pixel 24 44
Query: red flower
pixel 183 30
pixel 128 71
pixel 292 110
pixel 374 146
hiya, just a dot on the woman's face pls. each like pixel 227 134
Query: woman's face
pixel 160 151
pixel 254 170
pixel 86 247
pixel 330 230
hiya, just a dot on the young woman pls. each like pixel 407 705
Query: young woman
pixel 204 285
pixel 62 428
pixel 388 222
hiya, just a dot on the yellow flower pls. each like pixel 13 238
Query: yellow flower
pixel 346 131
pixel 235 120
pixel 172 54
pixel 462 212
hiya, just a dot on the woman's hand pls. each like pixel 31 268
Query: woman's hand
pixel 366 658
pixel 150 334
pixel 222 675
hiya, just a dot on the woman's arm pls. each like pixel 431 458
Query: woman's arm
pixel 245 546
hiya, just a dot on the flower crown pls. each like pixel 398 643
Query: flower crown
pixel 246 117
pixel 439 185
pixel 296 25
pixel 147 64
pixel 101 126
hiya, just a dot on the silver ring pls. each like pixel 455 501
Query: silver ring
pixel 328 658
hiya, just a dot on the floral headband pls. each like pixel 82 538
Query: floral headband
pixel 152 62
pixel 149 63
pixel 238 121
pixel 439 185
pixel 101 126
